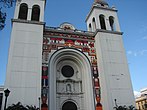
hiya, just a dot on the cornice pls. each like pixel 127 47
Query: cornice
pixel 108 31
pixel 28 21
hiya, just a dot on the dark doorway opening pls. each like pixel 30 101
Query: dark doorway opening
pixel 69 106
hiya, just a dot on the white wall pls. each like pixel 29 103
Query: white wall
pixel 23 76
pixel 113 70
pixel 114 74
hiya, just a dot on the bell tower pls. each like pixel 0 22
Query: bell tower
pixel 112 63
pixel 102 17
pixel 23 77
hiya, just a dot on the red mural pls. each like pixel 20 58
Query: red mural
pixel 54 41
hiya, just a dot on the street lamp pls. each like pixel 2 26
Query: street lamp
pixel 115 103
pixel 39 102
pixel 7 91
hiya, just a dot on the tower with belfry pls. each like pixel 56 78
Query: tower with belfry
pixel 63 68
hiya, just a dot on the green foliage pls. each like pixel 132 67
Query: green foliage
pixel 131 107
pixel 32 107
pixel 4 4
pixel 19 106
pixel 2 19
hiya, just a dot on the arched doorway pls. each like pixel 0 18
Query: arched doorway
pixel 70 78
pixel 69 106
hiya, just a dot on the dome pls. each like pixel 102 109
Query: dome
pixel 102 2
pixel 67 25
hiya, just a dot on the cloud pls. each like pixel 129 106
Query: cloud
pixel 143 52
pixel 144 38
pixel 143 29
pixel 129 52
pixel 137 94
pixel 132 53
pixel 144 89
pixel 137 53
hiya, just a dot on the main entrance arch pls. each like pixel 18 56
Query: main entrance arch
pixel 70 78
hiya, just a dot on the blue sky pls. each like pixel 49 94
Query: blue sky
pixel 133 21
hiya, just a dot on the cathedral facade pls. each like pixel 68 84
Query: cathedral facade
pixel 62 68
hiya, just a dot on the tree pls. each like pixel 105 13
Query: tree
pixel 32 107
pixel 2 19
pixel 19 106
pixel 131 107
pixel 4 4
pixel 121 108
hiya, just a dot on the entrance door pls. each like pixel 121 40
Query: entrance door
pixel 69 106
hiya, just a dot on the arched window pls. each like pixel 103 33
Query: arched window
pixel 35 13
pixel 111 21
pixel 94 24
pixel 90 29
pixel 23 11
pixel 102 22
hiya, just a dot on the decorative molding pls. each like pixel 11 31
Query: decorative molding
pixel 108 31
pixel 28 21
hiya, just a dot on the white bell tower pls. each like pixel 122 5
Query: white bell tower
pixel 23 77
pixel 112 63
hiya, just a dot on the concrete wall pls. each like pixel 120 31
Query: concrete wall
pixel 23 76
pixel 114 74
pixel 113 69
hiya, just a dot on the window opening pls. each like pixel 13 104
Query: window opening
pixel 35 13
pixel 90 29
pixel 102 22
pixel 94 24
pixel 23 11
pixel 111 21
